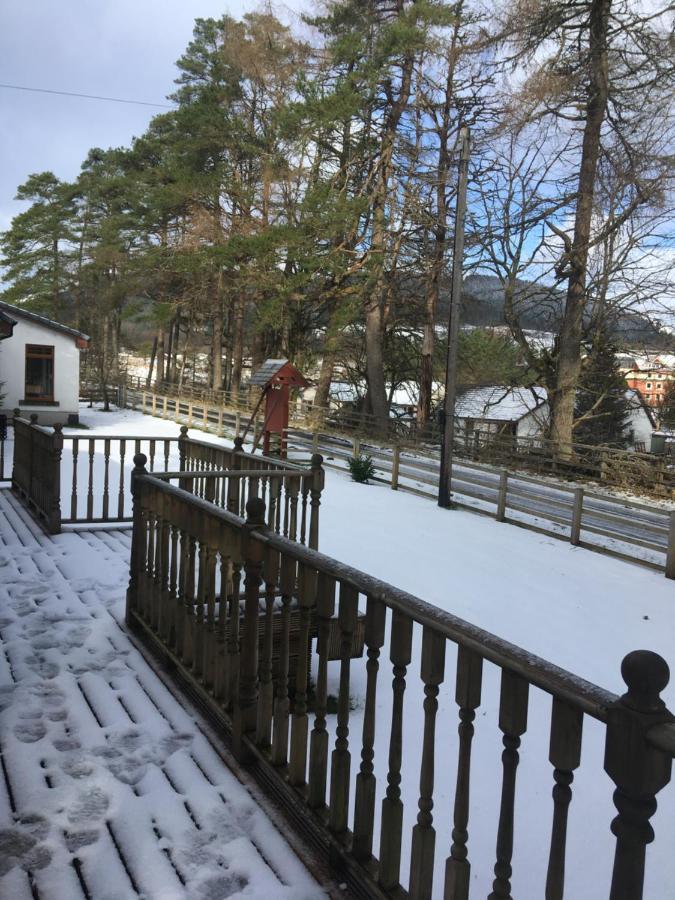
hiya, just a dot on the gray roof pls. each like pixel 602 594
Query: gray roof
pixel 41 320
pixel 268 370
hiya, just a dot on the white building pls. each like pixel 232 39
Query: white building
pixel 39 366
pixel 524 413
pixel 498 409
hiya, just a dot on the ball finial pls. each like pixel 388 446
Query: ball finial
pixel 646 674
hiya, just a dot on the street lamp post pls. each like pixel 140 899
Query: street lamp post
pixel 448 412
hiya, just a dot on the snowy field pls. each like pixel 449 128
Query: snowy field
pixel 580 610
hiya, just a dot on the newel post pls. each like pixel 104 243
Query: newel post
pixel 318 482
pixel 183 441
pixel 245 711
pixel 638 769
pixel 54 511
pixel 138 549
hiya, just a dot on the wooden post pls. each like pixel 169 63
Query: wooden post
pixel 144 400
pixel 54 511
pixel 395 462
pixel 670 556
pixel 577 512
pixel 245 712
pixel 190 413
pixel 154 403
pixel 501 496
pixel 315 442
pixel 237 423
pixel 137 535
pixel 318 481
pixel 165 408
pixel 639 770
pixel 356 450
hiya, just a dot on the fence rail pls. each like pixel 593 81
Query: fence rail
pixel 68 480
pixel 200 577
pixel 622 528
pixel 638 471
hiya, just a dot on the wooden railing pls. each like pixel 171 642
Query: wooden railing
pixel 200 577
pixel 36 473
pixel 68 480
pixel 4 474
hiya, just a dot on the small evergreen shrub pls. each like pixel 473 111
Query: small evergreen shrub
pixel 361 468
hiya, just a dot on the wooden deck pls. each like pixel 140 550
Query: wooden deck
pixel 110 784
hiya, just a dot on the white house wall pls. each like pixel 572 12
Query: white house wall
pixel 66 372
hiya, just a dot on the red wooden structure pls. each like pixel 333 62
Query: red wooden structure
pixel 276 377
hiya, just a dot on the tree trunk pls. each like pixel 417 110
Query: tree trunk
pixel 217 350
pixel 569 344
pixel 237 345
pixel 153 354
pixel 160 356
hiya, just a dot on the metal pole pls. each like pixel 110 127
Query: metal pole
pixel 453 323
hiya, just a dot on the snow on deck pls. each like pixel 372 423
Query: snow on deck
pixel 110 787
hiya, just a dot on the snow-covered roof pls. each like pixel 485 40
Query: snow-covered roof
pixel 499 402
pixel 41 320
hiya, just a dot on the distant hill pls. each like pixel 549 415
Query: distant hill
pixel 540 309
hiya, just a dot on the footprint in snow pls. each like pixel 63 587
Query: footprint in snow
pixel 47 693
pixel 128 753
pixel 220 887
pixel 42 667
pixel 30 731
pixel 21 846
pixel 66 745
pixel 91 805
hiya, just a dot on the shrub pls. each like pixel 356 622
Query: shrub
pixel 361 468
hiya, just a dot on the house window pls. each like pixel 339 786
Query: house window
pixel 649 384
pixel 39 372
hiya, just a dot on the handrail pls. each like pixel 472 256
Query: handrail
pixel 592 699
pixel 234 609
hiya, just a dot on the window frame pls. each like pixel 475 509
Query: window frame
pixel 39 351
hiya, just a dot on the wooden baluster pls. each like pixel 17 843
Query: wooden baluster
pixel 106 478
pixel 281 704
pixel 318 751
pixel 565 756
pixel 162 569
pixel 467 697
pixel 120 490
pixel 304 491
pixel 300 723
pixel 220 678
pixel 232 687
pixel 200 598
pixel 293 489
pixel 151 453
pixel 364 808
pixel 513 723
pixel 287 507
pixel 318 482
pixel 181 622
pixel 209 594
pixel 148 603
pixel 73 495
pixel 245 716
pixel 341 757
pixel 424 835
pixel 266 699
pixel 90 485
pixel 392 807
pixel 167 446
pixel 173 583
pixel 275 487
pixel 638 769
pixel 189 601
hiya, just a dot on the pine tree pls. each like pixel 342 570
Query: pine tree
pixel 602 407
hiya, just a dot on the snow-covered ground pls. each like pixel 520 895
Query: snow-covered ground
pixel 115 791
pixel 580 610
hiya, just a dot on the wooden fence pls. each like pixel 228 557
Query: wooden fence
pixel 36 473
pixel 200 576
pixel 67 480
pixel 647 473
pixel 622 528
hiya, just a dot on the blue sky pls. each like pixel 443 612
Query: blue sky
pixel 115 48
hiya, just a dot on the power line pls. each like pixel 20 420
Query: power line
pixel 18 87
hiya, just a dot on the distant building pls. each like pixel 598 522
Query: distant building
pixel 39 366
pixel 649 375
pixel 525 413
pixel 499 409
